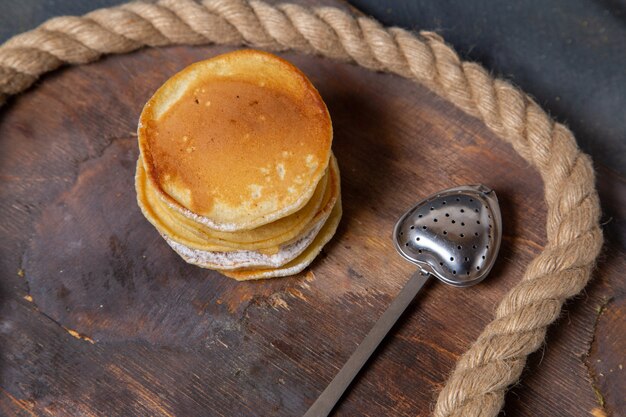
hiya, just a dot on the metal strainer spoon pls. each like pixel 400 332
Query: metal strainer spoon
pixel 453 235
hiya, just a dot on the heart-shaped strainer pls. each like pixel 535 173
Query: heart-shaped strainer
pixel 453 235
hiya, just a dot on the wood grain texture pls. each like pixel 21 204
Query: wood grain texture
pixel 100 317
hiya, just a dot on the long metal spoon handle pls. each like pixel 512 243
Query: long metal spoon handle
pixel 333 392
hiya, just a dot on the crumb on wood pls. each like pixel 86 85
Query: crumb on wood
pixel 79 336
pixel 598 412
pixel 296 293
pixel 310 276
pixel 20 273
pixel 276 301
pixel 28 298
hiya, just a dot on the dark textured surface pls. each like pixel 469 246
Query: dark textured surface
pixel 170 339
pixel 568 54
pixel 22 15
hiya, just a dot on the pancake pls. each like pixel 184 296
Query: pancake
pixel 236 141
pixel 276 257
pixel 243 258
pixel 201 245
pixel 197 236
pixel 302 261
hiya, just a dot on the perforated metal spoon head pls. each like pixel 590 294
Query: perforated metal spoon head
pixel 454 235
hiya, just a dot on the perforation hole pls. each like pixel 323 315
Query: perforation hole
pixel 462 235
pixel 445 232
pixel 412 227
pixel 417 239
pixel 447 214
pixel 453 272
pixel 453 221
pixel 424 227
pixel 435 220
pixel 451 259
pixel 478 268
pixel 459 247
pixel 462 224
pixel 462 211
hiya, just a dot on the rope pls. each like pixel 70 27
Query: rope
pixel 495 360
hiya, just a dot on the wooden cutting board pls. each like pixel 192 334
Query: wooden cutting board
pixel 100 317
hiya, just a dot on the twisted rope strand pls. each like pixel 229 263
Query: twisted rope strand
pixel 477 385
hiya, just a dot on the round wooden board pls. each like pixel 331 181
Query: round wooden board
pixel 101 317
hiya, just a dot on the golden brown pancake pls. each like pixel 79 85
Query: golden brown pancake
pixel 194 243
pixel 236 141
pixel 263 259
pixel 233 260
pixel 167 220
pixel 302 261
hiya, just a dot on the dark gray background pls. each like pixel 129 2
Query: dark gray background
pixel 569 54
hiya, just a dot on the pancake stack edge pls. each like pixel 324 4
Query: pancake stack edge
pixel 236 170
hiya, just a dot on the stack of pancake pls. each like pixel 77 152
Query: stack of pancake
pixel 236 170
